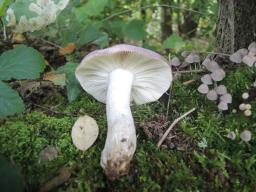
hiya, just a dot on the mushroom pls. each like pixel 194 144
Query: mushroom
pixel 117 76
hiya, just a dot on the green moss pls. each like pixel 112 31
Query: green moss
pixel 224 165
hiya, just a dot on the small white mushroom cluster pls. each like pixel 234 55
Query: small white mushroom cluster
pixel 33 15
pixel 246 108
pixel 218 92
pixel 190 57
pixel 246 135
pixel 247 56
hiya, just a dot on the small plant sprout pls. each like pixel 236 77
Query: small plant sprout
pixel 246 136
pixel 84 132
pixel 117 76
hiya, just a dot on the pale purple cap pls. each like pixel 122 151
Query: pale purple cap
pixel 152 72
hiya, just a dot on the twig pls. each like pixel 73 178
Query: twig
pixel 55 112
pixel 190 71
pixel 208 52
pixel 188 82
pixel 172 125
pixel 152 6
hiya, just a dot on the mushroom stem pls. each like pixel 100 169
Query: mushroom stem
pixel 121 136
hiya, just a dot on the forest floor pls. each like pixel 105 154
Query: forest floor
pixel 196 156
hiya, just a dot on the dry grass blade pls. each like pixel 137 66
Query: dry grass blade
pixel 172 125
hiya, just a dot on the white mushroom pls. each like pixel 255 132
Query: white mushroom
pixel 116 76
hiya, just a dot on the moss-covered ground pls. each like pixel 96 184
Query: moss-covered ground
pixel 221 165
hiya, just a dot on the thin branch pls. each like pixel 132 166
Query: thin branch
pixel 55 112
pixel 190 71
pixel 152 6
pixel 172 126
pixel 206 52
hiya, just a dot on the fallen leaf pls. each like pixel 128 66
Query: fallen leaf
pixel 68 49
pixel 84 132
pixel 18 38
pixel 56 78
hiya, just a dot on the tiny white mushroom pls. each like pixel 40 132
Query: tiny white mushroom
pixel 236 57
pixel 242 52
pixel 116 76
pixel 246 135
pixel 206 79
pixel 231 135
pixel 206 62
pixel 84 132
pixel 175 62
pixel 212 66
pixel 221 90
pixel 218 75
pixel 245 95
pixel 223 106
pixel 212 95
pixel 227 98
pixel 252 47
pixel 242 106
pixel 247 112
pixel 249 60
pixel 248 106
pixel 203 88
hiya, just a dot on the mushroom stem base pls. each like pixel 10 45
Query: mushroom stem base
pixel 121 136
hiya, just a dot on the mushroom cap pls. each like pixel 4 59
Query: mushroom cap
pixel 152 72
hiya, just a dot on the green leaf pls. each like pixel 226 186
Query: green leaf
pixel 3 6
pixel 89 34
pixel 21 63
pixel 68 68
pixel 135 30
pixel 11 178
pixel 102 40
pixel 91 8
pixel 73 88
pixel 10 101
pixel 72 85
pixel 173 42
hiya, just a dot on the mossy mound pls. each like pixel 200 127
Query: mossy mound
pixel 213 163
